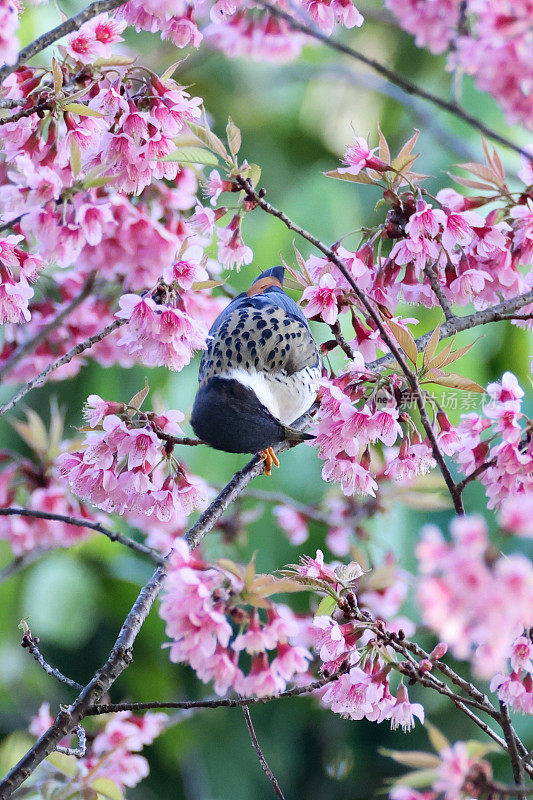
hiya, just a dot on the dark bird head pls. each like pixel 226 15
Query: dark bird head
pixel 228 416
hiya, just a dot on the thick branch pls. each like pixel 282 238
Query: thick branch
pixel 138 547
pixel 407 86
pixel 70 25
pixel 60 362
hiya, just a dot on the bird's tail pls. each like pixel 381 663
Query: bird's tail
pixel 294 435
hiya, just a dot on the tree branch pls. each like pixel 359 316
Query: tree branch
pixel 262 760
pixel 70 25
pixel 60 362
pixel 496 313
pixel 437 290
pixel 220 702
pixel 69 718
pixel 78 751
pixel 137 547
pixel 31 642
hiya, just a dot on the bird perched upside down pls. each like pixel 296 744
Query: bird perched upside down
pixel 259 374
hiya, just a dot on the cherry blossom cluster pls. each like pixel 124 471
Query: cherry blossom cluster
pixel 459 580
pixel 113 752
pixel 26 484
pixel 238 28
pixel 488 39
pixel 363 688
pixel 468 256
pixel 160 333
pixel 122 127
pixel 32 483
pixel 17 270
pixel 344 432
pixel 124 467
pixel 456 772
pixel 497 442
pixel 206 608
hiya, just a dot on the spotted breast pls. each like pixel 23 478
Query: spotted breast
pixel 260 371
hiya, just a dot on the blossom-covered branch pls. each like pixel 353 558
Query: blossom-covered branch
pixel 392 76
pixel 74 23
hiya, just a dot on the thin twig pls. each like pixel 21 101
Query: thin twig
pixel 341 341
pixel 31 642
pixel 31 344
pixel 81 749
pixel 262 760
pixel 70 25
pixel 219 702
pixel 21 562
pixel 60 362
pixel 437 289
pixel 138 547
pixel 167 437
pixel 26 112
pixel 409 87
pixel 283 499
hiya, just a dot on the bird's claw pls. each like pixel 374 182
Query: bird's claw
pixel 269 457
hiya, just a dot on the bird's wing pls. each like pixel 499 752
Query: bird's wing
pixel 266 332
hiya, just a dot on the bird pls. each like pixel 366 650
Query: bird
pixel 259 373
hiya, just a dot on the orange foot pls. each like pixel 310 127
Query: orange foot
pixel 269 457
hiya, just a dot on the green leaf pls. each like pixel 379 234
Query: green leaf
pixel 326 606
pixel 206 285
pixel 75 157
pixel 81 109
pixel 192 155
pixel 453 380
pixel 65 764
pixel 57 73
pixel 234 137
pixel 412 758
pixel 107 788
pixel 417 779
pixel 437 739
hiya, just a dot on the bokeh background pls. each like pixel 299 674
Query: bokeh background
pixel 296 120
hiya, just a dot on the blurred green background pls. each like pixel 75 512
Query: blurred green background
pixel 296 121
